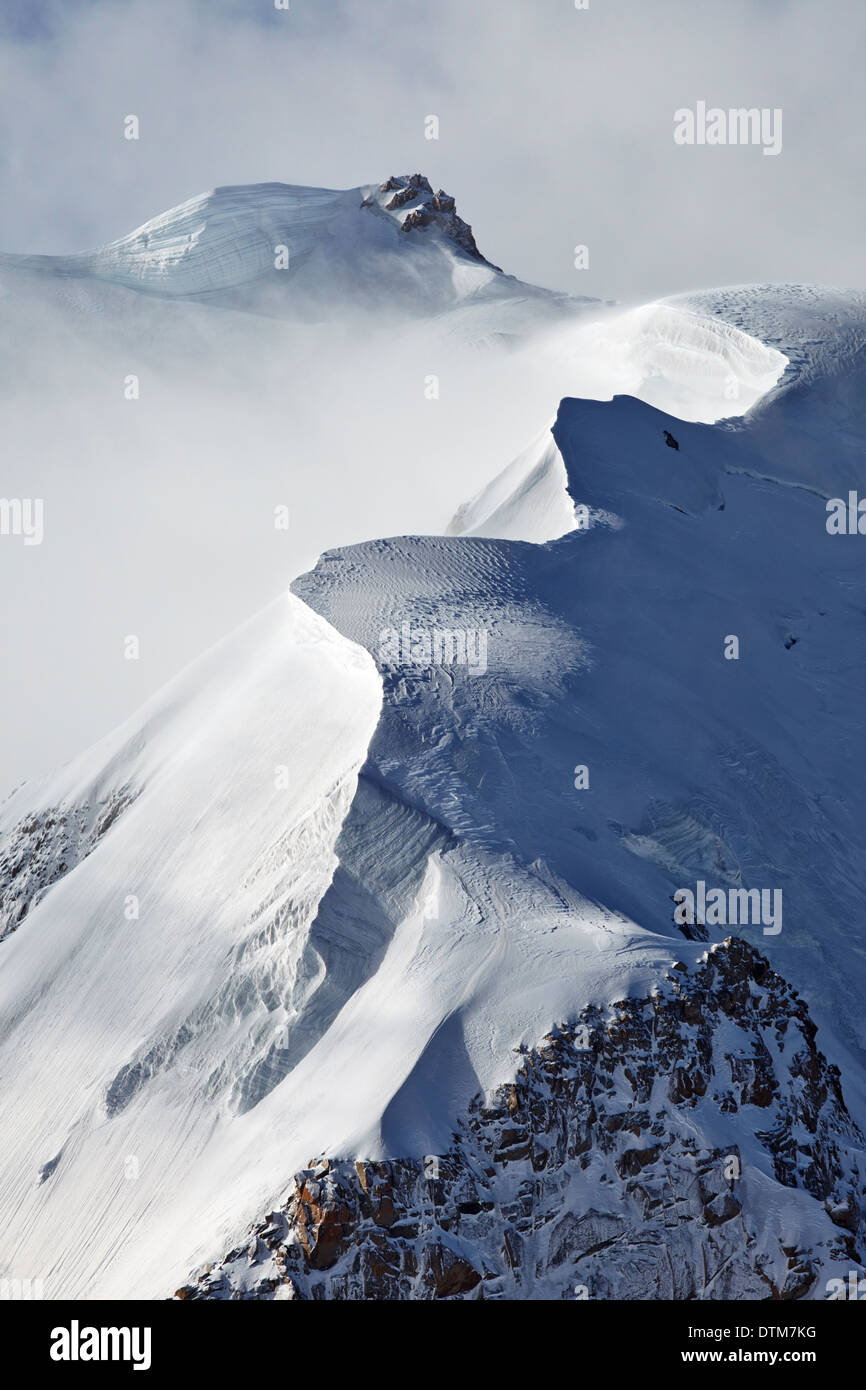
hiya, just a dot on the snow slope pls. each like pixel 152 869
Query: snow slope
pixel 306 960
pixel 140 995
pixel 614 637
pixel 527 501
pixel 260 1002
pixel 309 901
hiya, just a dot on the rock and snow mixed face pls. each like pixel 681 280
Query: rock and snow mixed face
pixel 410 199
pixel 342 881
pixel 639 1153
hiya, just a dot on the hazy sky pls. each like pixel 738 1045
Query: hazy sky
pixel 556 124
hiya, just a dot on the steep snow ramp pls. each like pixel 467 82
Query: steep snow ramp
pixel 527 501
pixel 146 998
pixel 485 955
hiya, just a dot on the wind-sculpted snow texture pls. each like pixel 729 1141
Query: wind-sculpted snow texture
pixel 361 933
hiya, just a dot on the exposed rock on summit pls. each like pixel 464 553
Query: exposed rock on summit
pixel 412 199
pixel 592 1173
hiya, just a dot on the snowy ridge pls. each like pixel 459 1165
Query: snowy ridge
pixel 464 899
pixel 703 358
pixel 684 362
pixel 495 775
pixel 680 361
pixel 309 902
pixel 819 328
pixel 599 622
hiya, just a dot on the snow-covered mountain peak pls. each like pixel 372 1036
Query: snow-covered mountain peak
pixel 292 250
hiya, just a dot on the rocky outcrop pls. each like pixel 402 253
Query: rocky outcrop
pixel 426 209
pixel 43 847
pixel 633 1156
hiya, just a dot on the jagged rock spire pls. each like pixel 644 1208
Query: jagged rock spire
pixel 410 197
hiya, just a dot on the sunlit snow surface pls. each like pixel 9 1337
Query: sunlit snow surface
pixel 687 364
pixel 348 879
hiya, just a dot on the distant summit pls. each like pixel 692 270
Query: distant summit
pixel 289 249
